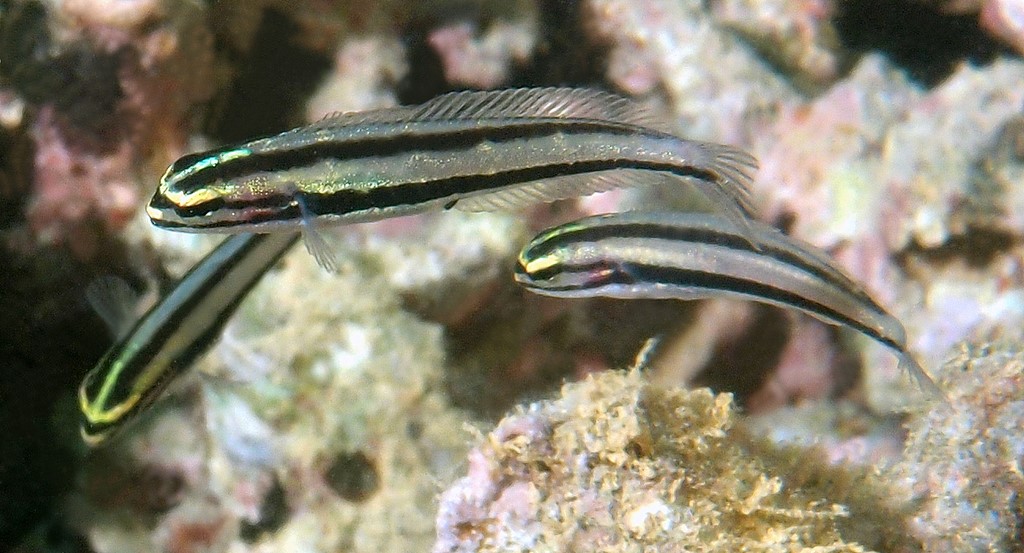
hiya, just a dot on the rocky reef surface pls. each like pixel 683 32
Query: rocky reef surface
pixel 376 409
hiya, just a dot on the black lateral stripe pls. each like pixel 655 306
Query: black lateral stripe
pixel 358 147
pixel 679 233
pixel 347 201
pixel 713 281
pixel 350 201
pixel 180 309
pixel 636 273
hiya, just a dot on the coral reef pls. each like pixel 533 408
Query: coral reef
pixel 1005 20
pixel 962 464
pixel 343 414
pixel 93 73
pixel 656 45
pixel 617 464
pixel 798 36
pixel 330 414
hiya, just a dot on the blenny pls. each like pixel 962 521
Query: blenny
pixel 691 256
pixel 178 329
pixel 473 151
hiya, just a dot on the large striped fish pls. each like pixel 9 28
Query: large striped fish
pixel 474 151
pixel 167 339
pixel 694 256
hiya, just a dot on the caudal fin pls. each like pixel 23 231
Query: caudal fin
pixel 924 381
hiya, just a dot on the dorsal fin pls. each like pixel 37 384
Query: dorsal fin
pixel 581 103
pixel 383 115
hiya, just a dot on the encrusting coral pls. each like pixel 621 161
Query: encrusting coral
pixel 618 464
pixel 962 463
pixel 310 394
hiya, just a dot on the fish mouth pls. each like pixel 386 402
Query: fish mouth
pixel 167 219
pixel 93 435
pixel 166 214
pixel 158 216
pixel 521 276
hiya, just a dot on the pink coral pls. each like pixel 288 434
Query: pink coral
pixel 72 186
pixel 616 464
pixel 480 59
pixel 83 175
pixel 1005 19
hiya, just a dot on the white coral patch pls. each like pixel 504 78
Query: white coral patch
pixel 651 516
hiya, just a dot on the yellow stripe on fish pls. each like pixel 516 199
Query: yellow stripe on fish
pixel 475 151
pixel 165 342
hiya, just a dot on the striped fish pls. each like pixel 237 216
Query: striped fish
pixel 475 151
pixel 166 340
pixel 694 256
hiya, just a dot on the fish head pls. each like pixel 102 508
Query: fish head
pixel 549 265
pixel 110 398
pixel 223 190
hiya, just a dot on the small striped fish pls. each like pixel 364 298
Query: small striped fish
pixel 694 256
pixel 475 151
pixel 166 340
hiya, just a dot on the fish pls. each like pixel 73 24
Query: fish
pixel 167 339
pixel 691 256
pixel 473 151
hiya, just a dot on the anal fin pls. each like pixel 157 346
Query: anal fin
pixel 557 188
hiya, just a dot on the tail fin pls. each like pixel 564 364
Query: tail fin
pixel 924 381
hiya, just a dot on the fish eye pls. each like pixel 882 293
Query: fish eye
pixel 185 162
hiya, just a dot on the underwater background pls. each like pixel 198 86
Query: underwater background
pixel 418 400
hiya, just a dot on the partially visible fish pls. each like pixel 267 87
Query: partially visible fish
pixel 691 256
pixel 474 151
pixel 164 343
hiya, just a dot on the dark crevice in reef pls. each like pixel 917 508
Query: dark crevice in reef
pixel 425 77
pixel 565 54
pixel 504 355
pixel 926 43
pixel 495 359
pixel 78 80
pixel 978 247
pixel 41 298
pixel 274 513
pixel 742 364
pixel 16 153
pixel 274 79
pixel 353 476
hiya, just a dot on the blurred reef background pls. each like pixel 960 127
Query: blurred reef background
pixel 411 402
